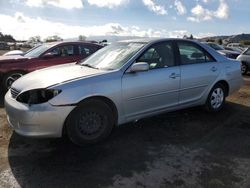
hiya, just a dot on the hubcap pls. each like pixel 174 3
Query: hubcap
pixel 91 125
pixel 217 98
pixel 12 78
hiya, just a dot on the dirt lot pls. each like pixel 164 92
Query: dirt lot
pixel 188 148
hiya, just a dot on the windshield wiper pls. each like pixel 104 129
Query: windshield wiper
pixel 90 66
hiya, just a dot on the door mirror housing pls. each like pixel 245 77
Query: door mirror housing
pixel 139 67
pixel 48 55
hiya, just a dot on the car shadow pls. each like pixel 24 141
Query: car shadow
pixel 130 148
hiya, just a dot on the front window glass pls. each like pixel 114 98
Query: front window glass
pixel 63 51
pixel 113 56
pixel 159 56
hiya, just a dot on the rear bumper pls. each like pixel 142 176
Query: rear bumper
pixel 43 120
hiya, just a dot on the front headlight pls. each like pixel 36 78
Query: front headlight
pixel 37 96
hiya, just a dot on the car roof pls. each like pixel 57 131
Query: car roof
pixel 154 40
pixel 71 42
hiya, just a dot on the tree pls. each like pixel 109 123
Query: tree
pixel 220 42
pixel 53 38
pixel 82 38
pixel 6 38
pixel 35 39
pixel 185 37
pixel 210 40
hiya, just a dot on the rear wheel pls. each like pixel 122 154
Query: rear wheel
pixel 10 78
pixel 90 123
pixel 244 68
pixel 216 98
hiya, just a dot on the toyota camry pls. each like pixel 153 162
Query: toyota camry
pixel 123 82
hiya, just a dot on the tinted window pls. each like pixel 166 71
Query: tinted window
pixel 159 56
pixel 215 46
pixel 192 54
pixel 63 51
pixel 86 50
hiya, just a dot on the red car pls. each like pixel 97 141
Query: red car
pixel 48 54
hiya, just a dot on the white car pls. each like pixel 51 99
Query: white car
pixel 14 52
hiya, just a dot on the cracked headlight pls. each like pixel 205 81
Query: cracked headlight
pixel 37 96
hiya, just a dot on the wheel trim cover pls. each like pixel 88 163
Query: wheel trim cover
pixel 217 98
pixel 91 125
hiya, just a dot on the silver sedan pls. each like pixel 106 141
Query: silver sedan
pixel 123 82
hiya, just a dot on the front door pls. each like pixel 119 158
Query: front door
pixel 155 89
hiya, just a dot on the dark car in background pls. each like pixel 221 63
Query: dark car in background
pixel 228 53
pixel 245 61
pixel 240 50
pixel 4 46
pixel 48 54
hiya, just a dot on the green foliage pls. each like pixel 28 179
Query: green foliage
pixel 82 38
pixel 6 38
pixel 245 42
pixel 35 39
pixel 53 38
pixel 220 42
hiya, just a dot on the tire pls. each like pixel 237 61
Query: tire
pixel 9 78
pixel 216 98
pixel 90 123
pixel 244 68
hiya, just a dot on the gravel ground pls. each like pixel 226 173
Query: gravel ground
pixel 184 149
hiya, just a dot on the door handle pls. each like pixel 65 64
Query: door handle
pixel 174 75
pixel 213 69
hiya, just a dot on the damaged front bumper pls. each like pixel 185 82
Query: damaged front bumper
pixel 40 120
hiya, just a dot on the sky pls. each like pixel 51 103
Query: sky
pixel 138 18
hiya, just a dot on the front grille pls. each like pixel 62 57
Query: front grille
pixel 14 92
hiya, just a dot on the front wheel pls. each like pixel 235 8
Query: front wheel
pixel 10 78
pixel 244 69
pixel 90 123
pixel 216 98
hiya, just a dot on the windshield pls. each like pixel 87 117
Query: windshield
pixel 216 47
pixel 37 51
pixel 113 56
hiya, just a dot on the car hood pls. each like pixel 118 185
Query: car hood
pixel 12 58
pixel 229 52
pixel 54 75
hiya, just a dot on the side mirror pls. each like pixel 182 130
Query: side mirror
pixel 48 55
pixel 139 67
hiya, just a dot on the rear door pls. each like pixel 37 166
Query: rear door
pixel 198 69
pixel 155 89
